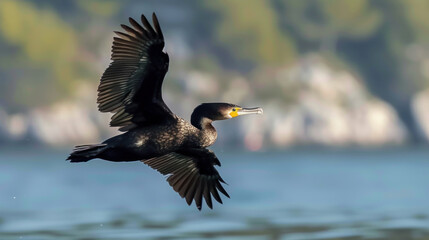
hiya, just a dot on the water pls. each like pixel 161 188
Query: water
pixel 300 194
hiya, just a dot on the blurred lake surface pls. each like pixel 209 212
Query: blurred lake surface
pixel 295 194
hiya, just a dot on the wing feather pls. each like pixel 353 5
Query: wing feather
pixel 148 27
pixel 130 88
pixel 157 26
pixel 191 174
pixel 190 194
pixel 199 193
pixel 206 193
pixel 137 26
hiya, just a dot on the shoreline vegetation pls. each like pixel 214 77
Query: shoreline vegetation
pixel 355 77
pixel 327 107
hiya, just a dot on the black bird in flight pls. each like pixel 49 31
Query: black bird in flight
pixel 130 88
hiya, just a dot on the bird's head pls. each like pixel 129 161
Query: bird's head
pixel 220 111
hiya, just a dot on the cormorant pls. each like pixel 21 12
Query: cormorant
pixel 130 88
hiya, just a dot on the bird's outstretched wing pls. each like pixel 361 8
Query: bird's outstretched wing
pixel 192 174
pixel 131 86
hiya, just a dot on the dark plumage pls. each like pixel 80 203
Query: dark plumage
pixel 130 88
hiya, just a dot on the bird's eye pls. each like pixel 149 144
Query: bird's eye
pixel 234 109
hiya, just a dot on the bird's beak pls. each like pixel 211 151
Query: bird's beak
pixel 246 111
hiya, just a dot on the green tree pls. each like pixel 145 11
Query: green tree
pixel 41 50
pixel 250 32
pixel 325 21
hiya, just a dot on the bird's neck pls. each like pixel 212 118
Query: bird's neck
pixel 201 121
pixel 207 132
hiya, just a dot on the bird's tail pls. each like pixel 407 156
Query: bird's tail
pixel 84 153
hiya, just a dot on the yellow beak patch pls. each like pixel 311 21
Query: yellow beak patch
pixel 234 112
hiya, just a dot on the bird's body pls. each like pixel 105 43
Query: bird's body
pixel 130 88
pixel 157 140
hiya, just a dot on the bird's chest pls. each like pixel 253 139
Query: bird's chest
pixel 156 140
pixel 159 140
pixel 166 139
pixel 209 138
pixel 203 138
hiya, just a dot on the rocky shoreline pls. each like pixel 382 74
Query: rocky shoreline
pixel 329 108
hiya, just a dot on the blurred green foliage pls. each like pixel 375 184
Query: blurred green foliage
pixel 39 62
pixel 105 8
pixel 45 47
pixel 40 47
pixel 254 38
pixel 325 21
